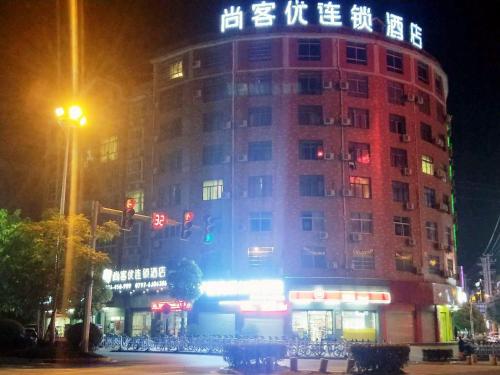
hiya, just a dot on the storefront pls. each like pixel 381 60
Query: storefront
pixel 327 313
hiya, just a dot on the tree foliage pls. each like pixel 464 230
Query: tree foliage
pixel 32 262
pixel 493 310
pixel 461 319
pixel 185 280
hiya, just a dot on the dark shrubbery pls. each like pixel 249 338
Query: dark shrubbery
pixel 253 355
pixel 11 335
pixel 380 359
pixel 74 336
pixel 437 355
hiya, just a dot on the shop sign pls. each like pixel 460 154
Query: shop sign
pixel 328 14
pixel 339 296
pixel 136 279
pixel 253 289
pixel 171 306
pixel 249 306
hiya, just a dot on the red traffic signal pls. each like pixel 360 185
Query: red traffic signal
pixel 187 224
pixel 130 203
pixel 188 216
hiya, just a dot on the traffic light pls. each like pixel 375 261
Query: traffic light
pixel 128 214
pixel 187 224
pixel 208 235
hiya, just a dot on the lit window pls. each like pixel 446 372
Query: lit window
pixel 109 149
pixel 361 186
pixel 175 70
pixel 427 164
pixel 360 152
pixel 212 189
pixel 404 262
pixel 260 256
pixel 138 195
pixel 434 265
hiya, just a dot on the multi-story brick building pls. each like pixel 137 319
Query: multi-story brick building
pixel 320 158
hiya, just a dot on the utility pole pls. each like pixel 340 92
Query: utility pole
pixel 486 262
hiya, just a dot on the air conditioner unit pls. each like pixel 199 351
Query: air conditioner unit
pixel 244 124
pixel 323 235
pixel 243 157
pixel 344 85
pixel 226 195
pixel 333 265
pixel 407 172
pixel 345 121
pixel 196 64
pixel 327 85
pixel 227 125
pixel 410 97
pixel 355 237
pixel 197 93
pixel 329 156
pixel 409 206
pixel 330 193
pixel 244 194
pixel 347 192
pixel 345 156
pixel 226 159
pixel 411 242
pixel 440 173
pixel 438 141
pixel 405 138
pixel 420 100
pixel 329 121
pixel 443 207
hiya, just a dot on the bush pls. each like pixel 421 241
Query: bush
pixel 437 355
pixel 253 355
pixel 11 335
pixel 380 359
pixel 74 336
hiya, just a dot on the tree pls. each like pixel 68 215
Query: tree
pixel 461 319
pixel 184 284
pixel 38 270
pixel 493 310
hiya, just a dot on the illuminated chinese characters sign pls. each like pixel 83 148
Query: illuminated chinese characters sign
pixel 328 14
pixel 136 279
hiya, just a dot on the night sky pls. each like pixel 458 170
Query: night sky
pixel 121 35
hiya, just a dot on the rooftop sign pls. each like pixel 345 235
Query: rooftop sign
pixel 135 279
pixel 329 14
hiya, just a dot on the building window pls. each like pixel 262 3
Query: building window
pixel 173 197
pixel 438 82
pixel 138 195
pixel 434 265
pixel 260 186
pixel 422 72
pixel 360 152
pixel 214 57
pixel 310 83
pixel 312 185
pixel 259 256
pixel 213 121
pixel 309 150
pixel 427 164
pixel 358 85
pixel 261 221
pixel 425 102
pixel 449 237
pixel 215 90
pixel 260 116
pixel 175 70
pixel 363 260
pixel 313 257
pixel 402 226
pixel 450 267
pixel 399 158
pixel 361 186
pixel 260 85
pixel 400 191
pixel 362 222
pixel 429 197
pixel 260 151
pixel 431 230
pixel 394 61
pixel 212 189
pixel 397 124
pixel 356 53
pixel 109 149
pixel 404 262
pixel 440 113
pixel 310 115
pixel 313 221
pixel 359 117
pixel 213 154
pixel 259 50
pixel 396 92
pixel 309 49
pixel 426 132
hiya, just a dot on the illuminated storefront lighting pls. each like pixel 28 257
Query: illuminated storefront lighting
pixel 339 296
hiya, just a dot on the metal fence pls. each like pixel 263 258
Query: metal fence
pixel 215 344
